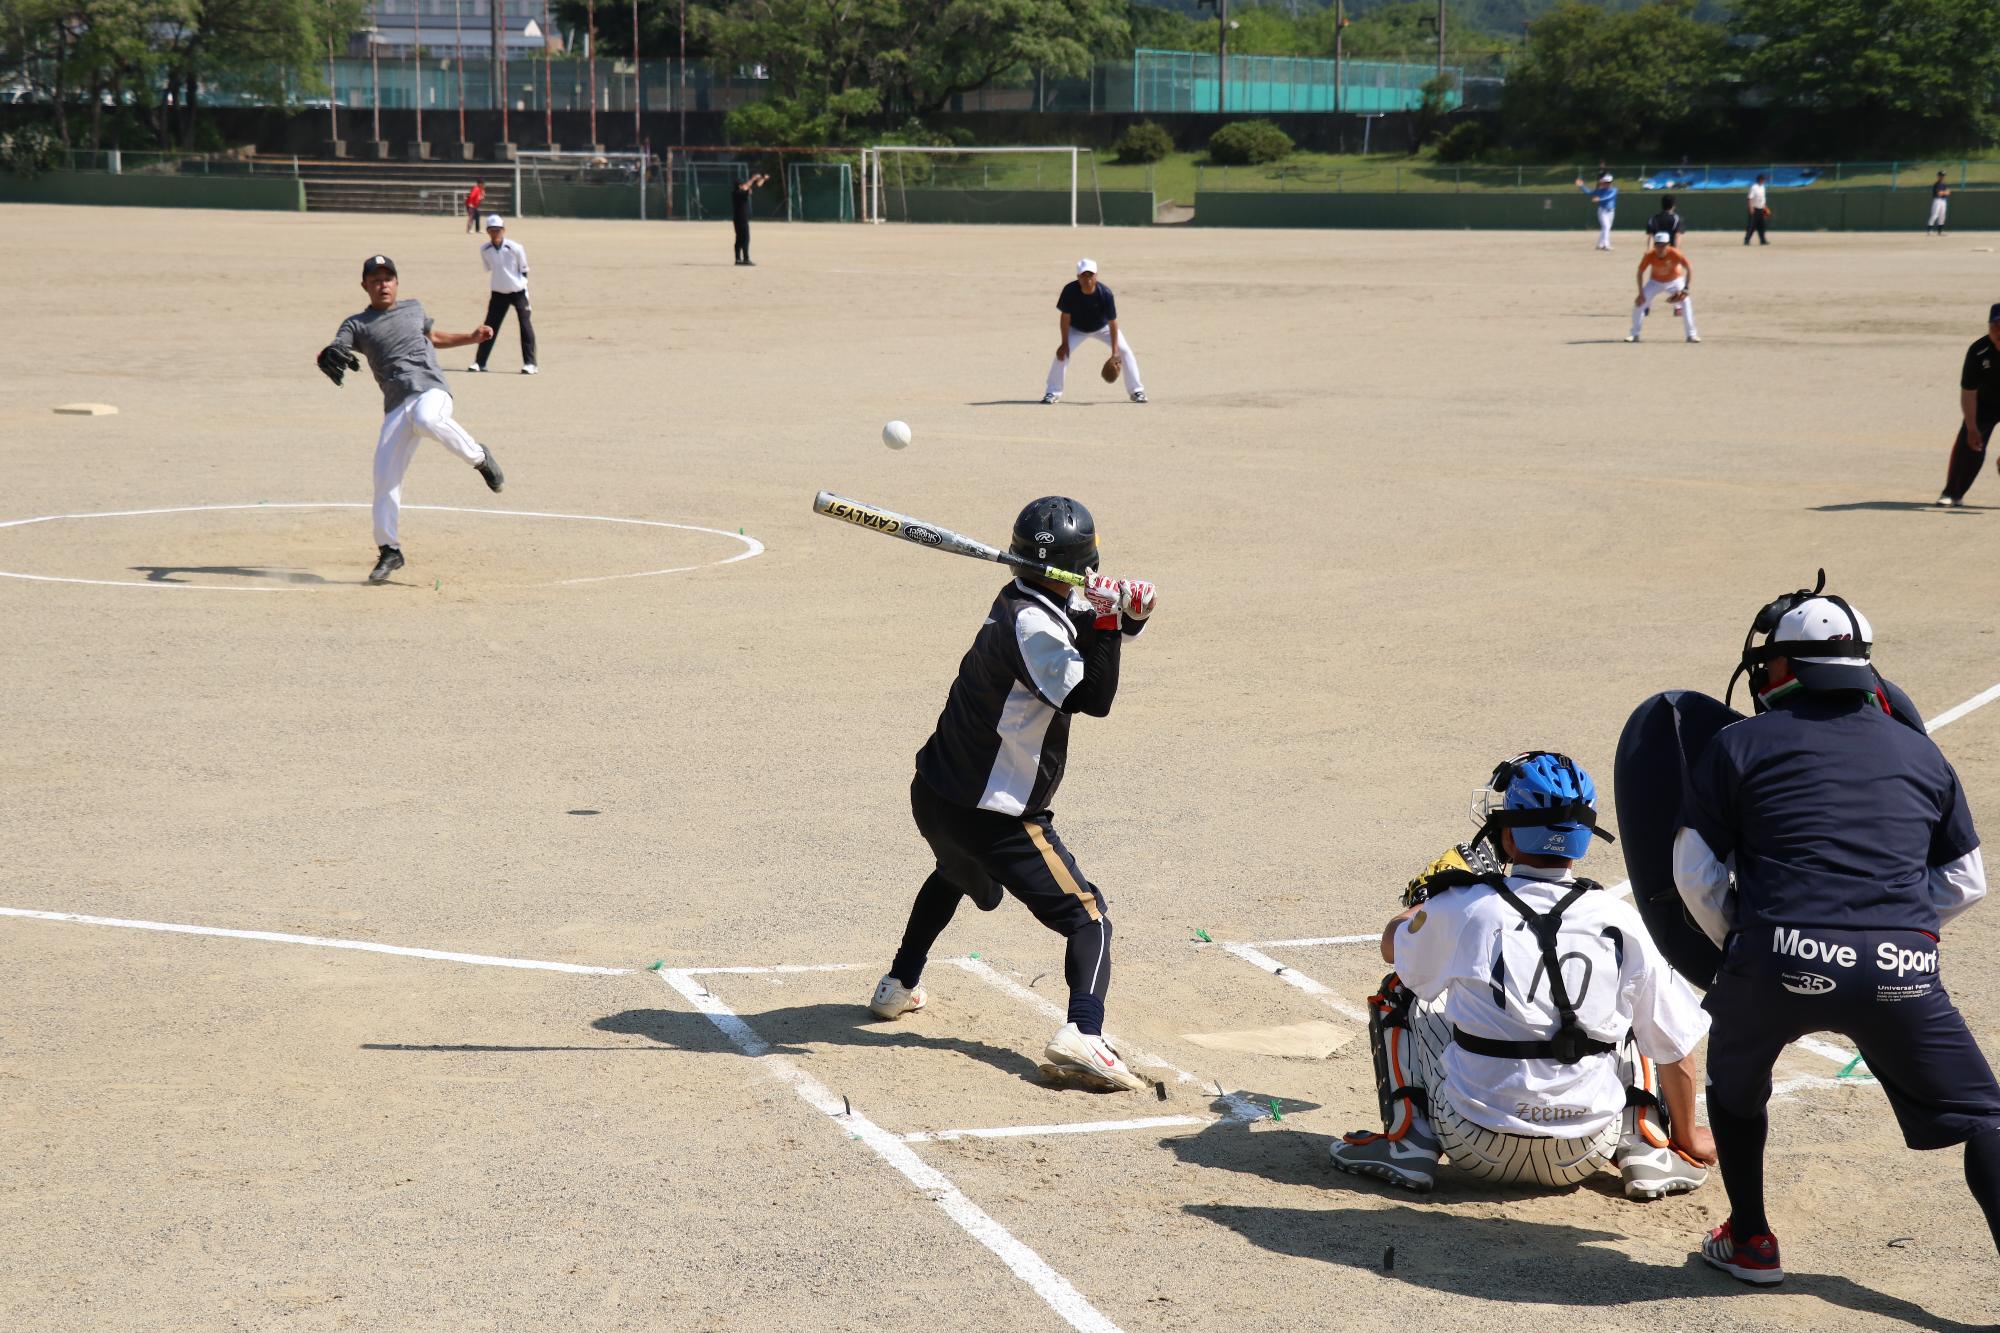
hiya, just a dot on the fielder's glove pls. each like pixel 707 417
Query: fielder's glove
pixel 1112 368
pixel 1462 865
pixel 335 361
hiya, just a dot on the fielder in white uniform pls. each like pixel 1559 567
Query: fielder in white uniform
pixel 1940 201
pixel 399 341
pixel 1089 311
pixel 1605 196
pixel 1531 1032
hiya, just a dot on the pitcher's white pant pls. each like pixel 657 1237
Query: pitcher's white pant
pixel 1604 217
pixel 1103 335
pixel 429 413
pixel 1523 1159
pixel 1937 214
pixel 1668 289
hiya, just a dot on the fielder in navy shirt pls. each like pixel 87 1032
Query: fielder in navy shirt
pixel 1824 844
pixel 1088 311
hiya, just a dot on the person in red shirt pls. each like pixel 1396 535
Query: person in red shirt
pixel 474 197
pixel 1664 271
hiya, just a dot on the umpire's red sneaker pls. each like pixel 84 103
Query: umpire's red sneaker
pixel 1753 1259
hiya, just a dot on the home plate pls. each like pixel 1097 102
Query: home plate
pixel 87 410
pixel 1311 1040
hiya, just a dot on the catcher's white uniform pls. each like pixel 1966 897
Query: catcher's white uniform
pixel 1474 966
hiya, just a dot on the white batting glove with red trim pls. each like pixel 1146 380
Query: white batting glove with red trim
pixel 1104 596
pixel 1136 598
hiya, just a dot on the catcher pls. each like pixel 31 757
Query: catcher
pixel 1531 1031
pixel 1089 311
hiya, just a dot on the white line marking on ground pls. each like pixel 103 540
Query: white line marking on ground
pixel 752 547
pixel 1972 705
pixel 1055 1011
pixel 276 937
pixel 1032 1131
pixel 1291 976
pixel 1317 942
pixel 1031 1268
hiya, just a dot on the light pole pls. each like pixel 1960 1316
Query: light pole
pixel 680 97
pixel 590 55
pixel 417 65
pixel 1339 33
pixel 548 79
pixel 1223 25
pixel 375 72
pixel 638 81
pixel 1440 36
pixel 458 59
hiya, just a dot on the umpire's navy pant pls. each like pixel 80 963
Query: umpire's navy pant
pixel 1878 988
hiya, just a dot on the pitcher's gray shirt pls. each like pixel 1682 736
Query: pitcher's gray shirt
pixel 397 344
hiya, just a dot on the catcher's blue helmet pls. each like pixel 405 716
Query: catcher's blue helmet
pixel 1548 801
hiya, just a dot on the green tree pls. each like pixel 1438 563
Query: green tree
pixel 1595 81
pixel 1910 72
pixel 836 62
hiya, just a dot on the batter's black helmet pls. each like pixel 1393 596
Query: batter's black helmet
pixel 1056 530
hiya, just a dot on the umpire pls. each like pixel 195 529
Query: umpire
pixel 1979 405
pixel 507 267
pixel 1850 845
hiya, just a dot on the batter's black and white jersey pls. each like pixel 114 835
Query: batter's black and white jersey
pixel 1003 737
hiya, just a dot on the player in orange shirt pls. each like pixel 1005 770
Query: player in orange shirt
pixel 1664 271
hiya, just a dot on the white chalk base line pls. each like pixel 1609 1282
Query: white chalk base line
pixel 317 941
pixel 1055 1290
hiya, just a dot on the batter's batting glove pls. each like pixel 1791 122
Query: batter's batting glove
pixel 335 361
pixel 1462 865
pixel 1136 598
pixel 1104 595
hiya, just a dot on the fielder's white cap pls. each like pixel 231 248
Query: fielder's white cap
pixel 494 220
pixel 1605 179
pixel 1084 266
pixel 1663 238
pixel 1822 620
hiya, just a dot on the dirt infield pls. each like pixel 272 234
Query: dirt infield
pixel 1412 506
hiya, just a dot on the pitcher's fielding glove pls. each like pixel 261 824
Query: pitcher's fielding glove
pixel 335 361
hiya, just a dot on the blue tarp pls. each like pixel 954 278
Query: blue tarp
pixel 1729 178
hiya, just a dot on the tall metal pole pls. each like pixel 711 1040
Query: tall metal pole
pixel 332 91
pixel 493 85
pixel 681 97
pixel 417 66
pixel 1339 32
pixel 548 78
pixel 1440 36
pixel 501 52
pixel 590 55
pixel 638 83
pixel 1222 83
pixel 458 59
pixel 375 68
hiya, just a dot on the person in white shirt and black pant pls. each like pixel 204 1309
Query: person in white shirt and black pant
pixel 507 267
pixel 1760 213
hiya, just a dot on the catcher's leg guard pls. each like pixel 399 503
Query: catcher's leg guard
pixel 1398 1079
pixel 1649 1164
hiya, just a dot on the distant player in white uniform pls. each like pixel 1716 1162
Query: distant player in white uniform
pixel 1088 310
pixel 1605 196
pixel 507 275
pixel 1531 1032
pixel 399 341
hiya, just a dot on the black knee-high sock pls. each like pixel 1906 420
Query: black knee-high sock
pixel 1982 1173
pixel 1087 969
pixel 936 901
pixel 1739 1150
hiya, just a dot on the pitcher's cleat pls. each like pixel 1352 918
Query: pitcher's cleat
pixel 1753 1259
pixel 389 560
pixel 1048 398
pixel 1072 1056
pixel 1654 1173
pixel 1410 1162
pixel 489 468
pixel 475 369
pixel 1694 337
pixel 893 999
pixel 1947 501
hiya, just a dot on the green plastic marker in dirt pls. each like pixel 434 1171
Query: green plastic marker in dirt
pixel 1202 935
pixel 657 965
pixel 1276 1114
pixel 1848 1068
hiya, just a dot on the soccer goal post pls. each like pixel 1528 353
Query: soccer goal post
pixel 548 183
pixel 923 183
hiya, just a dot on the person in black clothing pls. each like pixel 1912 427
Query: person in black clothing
pixel 1979 405
pixel 984 780
pixel 739 212
pixel 1940 200
pixel 1666 220
pixel 1824 844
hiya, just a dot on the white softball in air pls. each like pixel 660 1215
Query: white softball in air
pixel 896 435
